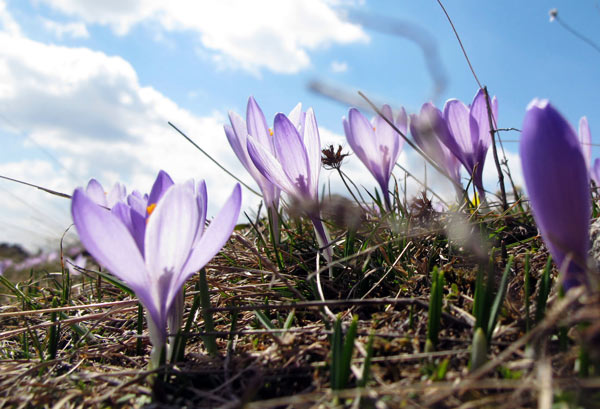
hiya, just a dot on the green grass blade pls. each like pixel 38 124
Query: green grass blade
pixel 498 300
pixel 347 352
pixel 527 292
pixel 210 341
pixel 366 369
pixel 544 292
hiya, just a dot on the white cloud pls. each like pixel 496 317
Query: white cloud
pixel 89 111
pixel 7 22
pixel 339 66
pixel 61 30
pixel 251 35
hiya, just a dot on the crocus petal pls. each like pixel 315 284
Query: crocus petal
pixel 171 231
pixel 481 133
pixel 460 123
pixel 362 140
pixel 557 182
pixel 215 237
pixel 386 142
pixel 236 142
pixel 123 212
pixel 257 125
pixel 118 193
pixel 95 191
pixel 385 135
pixel 585 138
pixel 312 142
pixel 422 129
pixel 361 132
pixel 292 154
pixel 402 122
pixel 237 135
pixel 161 184
pixel 298 118
pixel 202 200
pixel 108 240
pixel 270 167
pixel 138 224
pixel 138 203
pixel 428 129
pixel 595 172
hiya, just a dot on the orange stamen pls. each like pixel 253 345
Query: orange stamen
pixel 151 208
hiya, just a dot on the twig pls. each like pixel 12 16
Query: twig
pixel 494 150
pixel 460 43
pixel 52 192
pixel 213 160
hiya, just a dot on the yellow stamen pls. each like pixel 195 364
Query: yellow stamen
pixel 374 128
pixel 270 132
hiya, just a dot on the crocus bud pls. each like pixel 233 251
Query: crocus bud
pixel 558 184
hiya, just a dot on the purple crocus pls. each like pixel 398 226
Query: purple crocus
pixel 558 185
pixel 156 261
pixel 377 144
pixel 294 166
pixel 237 135
pixel 469 137
pixel 428 129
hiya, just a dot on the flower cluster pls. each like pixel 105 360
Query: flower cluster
pixel 154 242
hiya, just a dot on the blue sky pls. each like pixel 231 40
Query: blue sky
pixel 86 87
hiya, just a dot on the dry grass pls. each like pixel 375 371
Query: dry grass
pixel 385 282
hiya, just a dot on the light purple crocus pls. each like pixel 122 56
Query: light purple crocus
pixel 377 144
pixel 428 129
pixel 295 165
pixel 469 137
pixel 174 245
pixel 237 135
pixel 558 185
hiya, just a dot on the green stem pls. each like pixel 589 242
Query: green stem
pixel 209 340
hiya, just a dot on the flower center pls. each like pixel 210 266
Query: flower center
pixel 270 132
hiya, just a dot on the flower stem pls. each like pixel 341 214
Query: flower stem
pixel 275 234
pixel 209 340
pixel 323 240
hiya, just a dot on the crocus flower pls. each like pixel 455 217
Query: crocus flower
pixel 237 135
pixel 295 166
pixel 173 247
pixel 469 137
pixel 428 129
pixel 558 185
pixel 377 144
